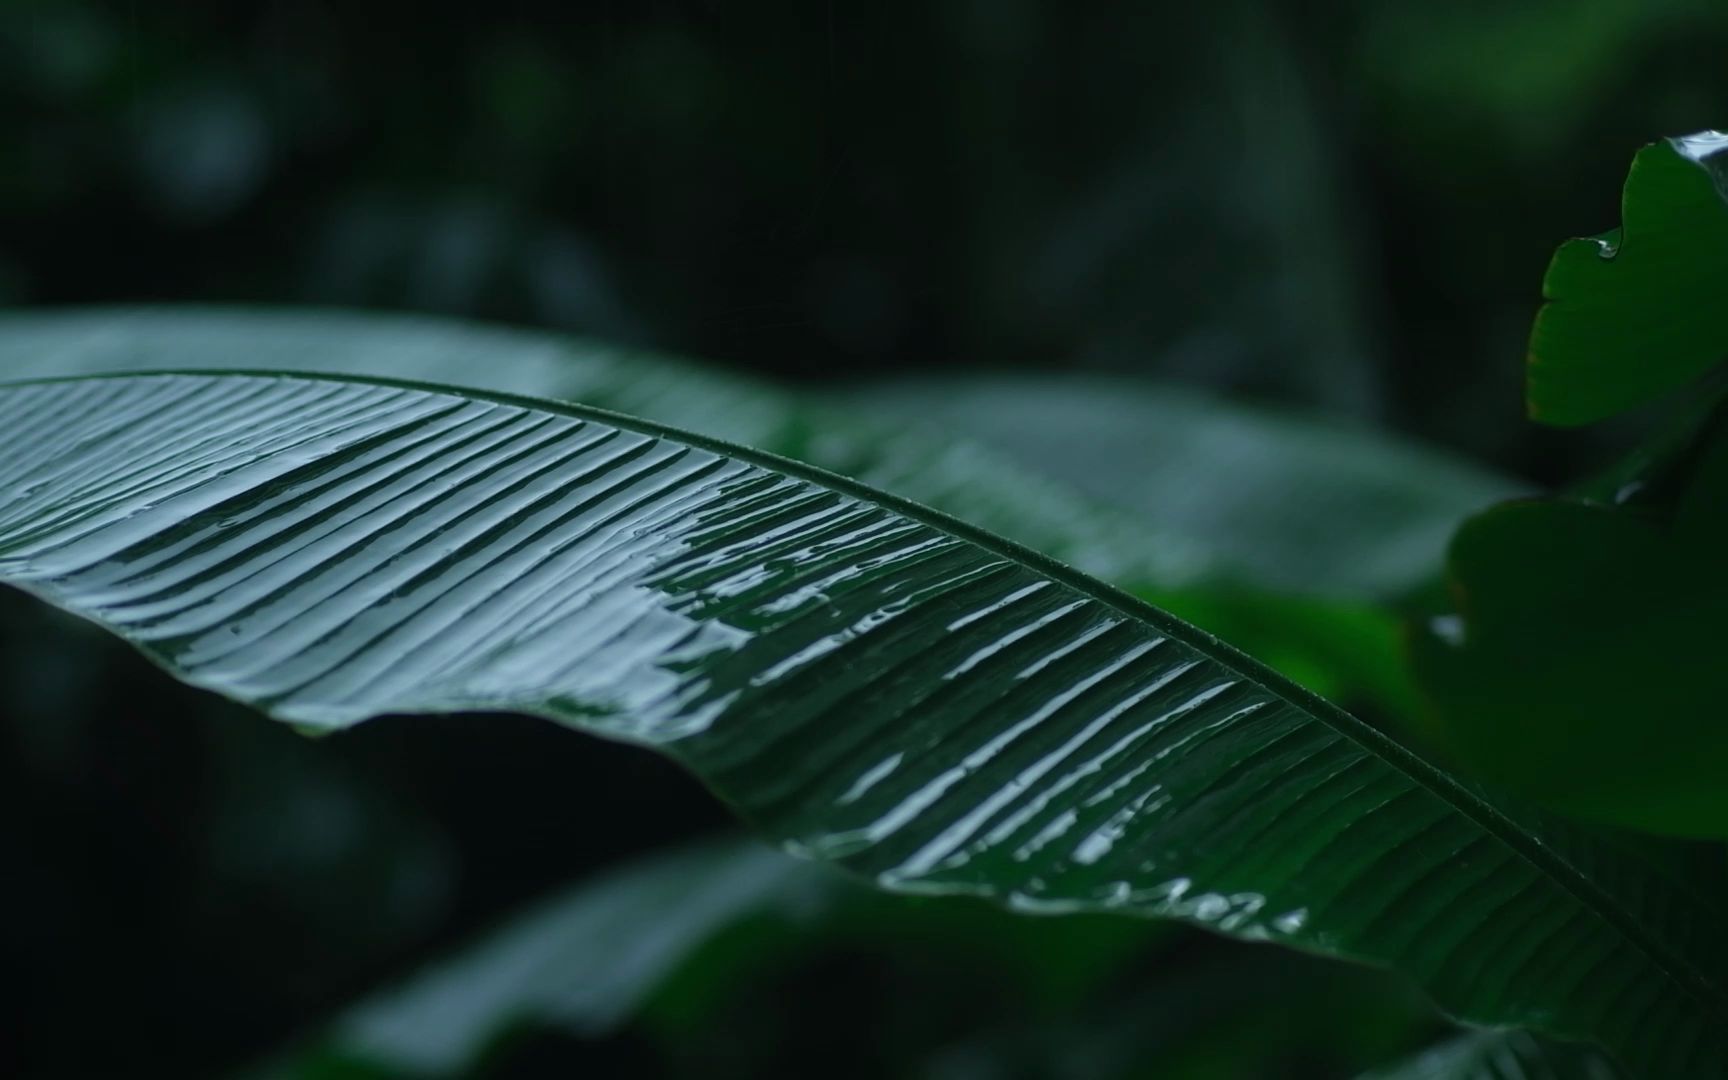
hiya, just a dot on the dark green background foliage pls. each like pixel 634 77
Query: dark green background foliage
pixel 1340 204
pixel 1344 208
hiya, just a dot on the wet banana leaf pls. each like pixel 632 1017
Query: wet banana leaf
pixel 867 681
pixel 1502 1055
pixel 1274 533
pixel 1632 314
pixel 1154 485
pixel 962 478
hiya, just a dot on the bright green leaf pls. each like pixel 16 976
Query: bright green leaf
pixel 1635 313
pixel 869 682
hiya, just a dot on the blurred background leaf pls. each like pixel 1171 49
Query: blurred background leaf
pixel 1278 500
pixel 1307 203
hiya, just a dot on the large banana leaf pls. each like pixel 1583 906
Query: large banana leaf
pixel 1272 532
pixel 961 478
pixel 867 681
pixel 1184 488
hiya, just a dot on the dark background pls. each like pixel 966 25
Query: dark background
pixel 1344 206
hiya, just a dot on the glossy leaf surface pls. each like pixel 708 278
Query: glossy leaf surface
pixel 1635 313
pixel 868 682
pixel 1174 488
pixel 958 477
pixel 1270 531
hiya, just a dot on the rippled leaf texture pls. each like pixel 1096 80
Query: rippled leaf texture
pixel 961 478
pixel 868 682
pixel 1635 313
pixel 958 477
pixel 1502 1055
pixel 1272 532
pixel 1323 523
pixel 1184 488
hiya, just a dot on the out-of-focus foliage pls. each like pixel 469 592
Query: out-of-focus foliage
pixel 1343 206
pixel 666 938
pixel 716 928
pixel 1578 666
pixel 1202 491
pixel 1501 1055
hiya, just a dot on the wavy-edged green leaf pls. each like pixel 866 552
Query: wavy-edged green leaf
pixel 1632 314
pixel 869 682
pixel 1501 1055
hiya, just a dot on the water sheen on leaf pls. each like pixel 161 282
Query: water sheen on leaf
pixel 1280 535
pixel 867 681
